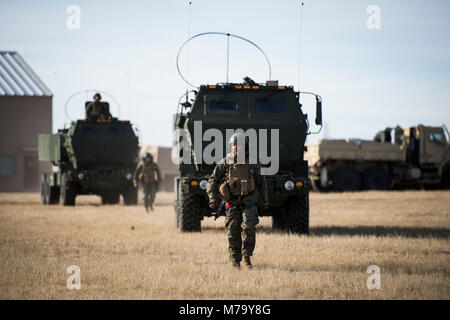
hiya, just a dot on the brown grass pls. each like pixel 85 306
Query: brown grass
pixel 405 233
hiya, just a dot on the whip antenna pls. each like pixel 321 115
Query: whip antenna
pixel 188 36
pixel 228 36
pixel 300 47
pixel 228 55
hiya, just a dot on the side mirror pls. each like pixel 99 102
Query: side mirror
pixel 318 111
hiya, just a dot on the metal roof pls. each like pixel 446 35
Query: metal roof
pixel 18 79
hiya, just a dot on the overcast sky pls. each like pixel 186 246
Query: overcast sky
pixel 368 78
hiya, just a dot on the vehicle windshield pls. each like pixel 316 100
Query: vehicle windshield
pixel 271 105
pixel 119 131
pixel 436 137
pixel 222 105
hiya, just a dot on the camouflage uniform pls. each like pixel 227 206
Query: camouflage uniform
pixel 145 174
pixel 241 213
pixel 96 110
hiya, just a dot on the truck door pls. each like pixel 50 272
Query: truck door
pixel 434 145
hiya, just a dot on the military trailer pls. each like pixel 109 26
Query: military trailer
pixel 245 106
pixel 417 157
pixel 92 158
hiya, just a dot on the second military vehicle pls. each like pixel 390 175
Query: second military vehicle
pixel 247 105
pixel 417 157
pixel 92 158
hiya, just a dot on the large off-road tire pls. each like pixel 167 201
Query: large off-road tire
pixel 297 215
pixel 115 197
pixel 376 178
pixel 445 180
pixel 279 220
pixel 68 192
pixel 130 196
pixel 320 182
pixel 45 190
pixel 111 198
pixel 54 195
pixel 176 216
pixel 190 213
pixel 176 202
pixel 346 179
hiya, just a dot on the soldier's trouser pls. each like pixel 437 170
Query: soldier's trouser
pixel 241 223
pixel 149 194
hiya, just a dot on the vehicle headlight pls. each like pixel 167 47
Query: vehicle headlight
pixel 289 185
pixel 203 184
pixel 129 176
pixel 81 176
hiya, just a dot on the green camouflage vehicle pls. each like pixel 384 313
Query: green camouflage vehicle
pixel 246 106
pixel 92 158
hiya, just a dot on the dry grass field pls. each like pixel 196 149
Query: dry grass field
pixel 125 253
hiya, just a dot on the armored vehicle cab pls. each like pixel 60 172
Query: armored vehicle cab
pixel 247 106
pixel 92 158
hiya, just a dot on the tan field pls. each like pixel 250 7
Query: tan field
pixel 125 253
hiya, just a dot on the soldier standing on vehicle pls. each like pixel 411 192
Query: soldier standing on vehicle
pixel 97 110
pixel 147 173
pixel 398 135
pixel 243 188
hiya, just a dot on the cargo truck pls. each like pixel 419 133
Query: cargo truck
pixel 415 157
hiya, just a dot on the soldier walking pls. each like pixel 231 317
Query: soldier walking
pixel 148 175
pixel 243 188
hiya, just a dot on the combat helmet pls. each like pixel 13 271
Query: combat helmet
pixel 147 155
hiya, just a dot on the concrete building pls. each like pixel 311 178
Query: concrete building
pixel 25 111
pixel 162 156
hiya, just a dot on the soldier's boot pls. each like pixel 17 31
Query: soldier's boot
pixel 247 262
pixel 146 204
pixel 151 201
pixel 235 261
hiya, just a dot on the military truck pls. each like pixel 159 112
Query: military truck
pixel 417 157
pixel 244 106
pixel 91 158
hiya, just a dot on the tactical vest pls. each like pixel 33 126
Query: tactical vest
pixel 240 179
pixel 148 173
pixel 95 110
